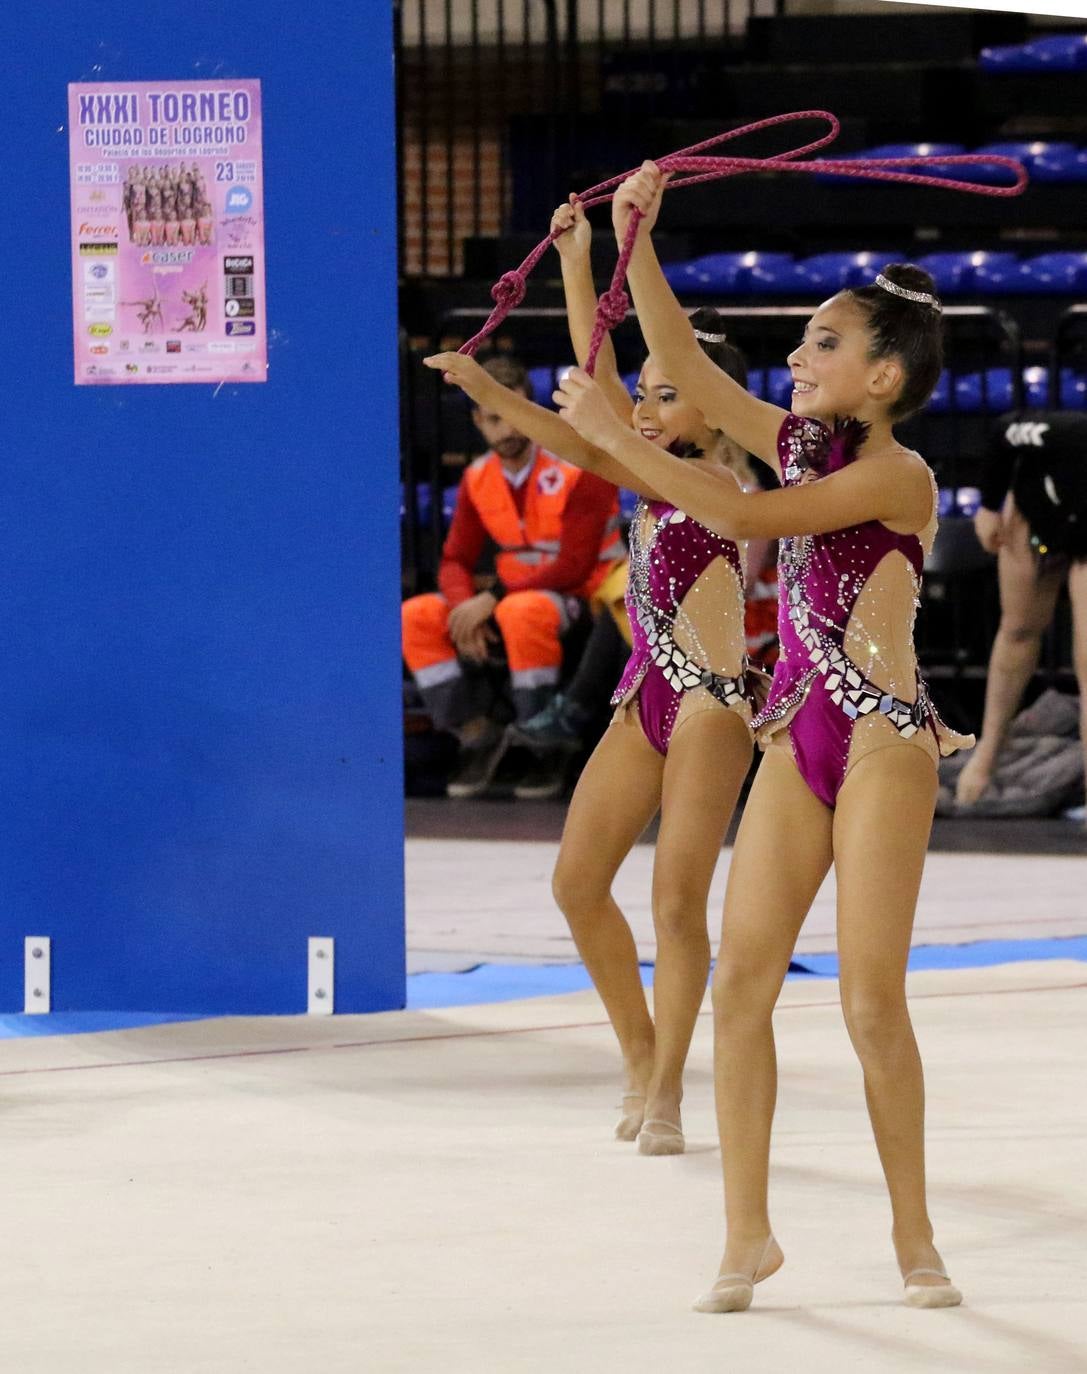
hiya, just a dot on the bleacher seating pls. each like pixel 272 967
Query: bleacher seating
pixel 959 274
pixel 736 274
pixel 1057 53
pixel 956 274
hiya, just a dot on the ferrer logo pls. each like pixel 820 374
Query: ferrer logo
pixel 97 231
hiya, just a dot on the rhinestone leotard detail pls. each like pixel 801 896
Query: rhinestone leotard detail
pixel 839 602
pixel 679 647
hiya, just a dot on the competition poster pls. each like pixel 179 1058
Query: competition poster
pixel 167 232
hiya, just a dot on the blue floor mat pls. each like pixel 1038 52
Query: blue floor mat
pixel 82 1022
pixel 510 982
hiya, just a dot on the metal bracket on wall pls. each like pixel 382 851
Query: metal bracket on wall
pixel 37 975
pixel 322 969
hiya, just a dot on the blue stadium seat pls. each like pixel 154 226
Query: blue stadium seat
pixel 956 274
pixel 1062 164
pixel 1058 53
pixel 773 384
pixel 1000 274
pixel 1056 274
pixel 1036 387
pixel 683 277
pixel 832 272
pixel 628 500
pixel 939 402
pixel 734 274
pixel 984 392
pixel 422 503
pixel 934 150
pixel 779 386
pixel 1073 389
pixel 542 382
pixel 1030 154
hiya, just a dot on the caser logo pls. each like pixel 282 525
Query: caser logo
pixel 1026 432
pixel 97 231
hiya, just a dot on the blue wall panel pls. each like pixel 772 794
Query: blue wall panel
pixel 199 593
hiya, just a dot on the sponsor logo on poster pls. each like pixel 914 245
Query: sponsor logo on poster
pixel 100 331
pixel 98 250
pixel 173 345
pixel 235 308
pixel 240 327
pixel 239 199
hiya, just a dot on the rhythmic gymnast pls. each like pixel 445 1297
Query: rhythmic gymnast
pixel 680 741
pixel 851 737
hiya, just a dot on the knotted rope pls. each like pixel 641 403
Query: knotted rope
pixel 688 167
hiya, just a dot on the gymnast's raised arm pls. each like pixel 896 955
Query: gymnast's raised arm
pixel 580 290
pixel 727 406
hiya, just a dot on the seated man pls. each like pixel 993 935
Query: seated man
pixel 556 530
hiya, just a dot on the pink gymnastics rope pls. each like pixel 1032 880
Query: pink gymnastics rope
pixel 509 291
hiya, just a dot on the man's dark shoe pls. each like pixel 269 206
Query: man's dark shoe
pixel 545 779
pixel 559 726
pixel 476 765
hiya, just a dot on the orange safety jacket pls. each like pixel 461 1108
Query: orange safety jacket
pixel 529 540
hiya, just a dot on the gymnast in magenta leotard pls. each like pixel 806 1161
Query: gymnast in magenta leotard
pixel 680 740
pixel 671 669
pixel 849 774
pixel 846 639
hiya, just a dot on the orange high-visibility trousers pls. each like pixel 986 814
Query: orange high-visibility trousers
pixel 531 624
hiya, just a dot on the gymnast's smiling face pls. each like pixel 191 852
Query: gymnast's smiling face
pixel 833 372
pixel 664 417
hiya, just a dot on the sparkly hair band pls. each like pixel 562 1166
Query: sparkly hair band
pixel 710 338
pixel 921 297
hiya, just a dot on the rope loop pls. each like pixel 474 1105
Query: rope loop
pixel 688 167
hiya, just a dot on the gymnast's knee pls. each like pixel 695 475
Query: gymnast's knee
pixel 740 998
pixel 679 916
pixel 576 895
pixel 876 1021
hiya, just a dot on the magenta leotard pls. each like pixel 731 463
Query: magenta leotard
pixel 818 692
pixel 663 569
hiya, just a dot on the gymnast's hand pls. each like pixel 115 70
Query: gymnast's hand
pixel 459 370
pixel 642 191
pixel 578 235
pixel 583 405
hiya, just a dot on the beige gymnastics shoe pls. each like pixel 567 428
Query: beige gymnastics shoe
pixel 733 1292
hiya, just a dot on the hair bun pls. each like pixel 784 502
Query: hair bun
pixel 707 320
pixel 910 277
